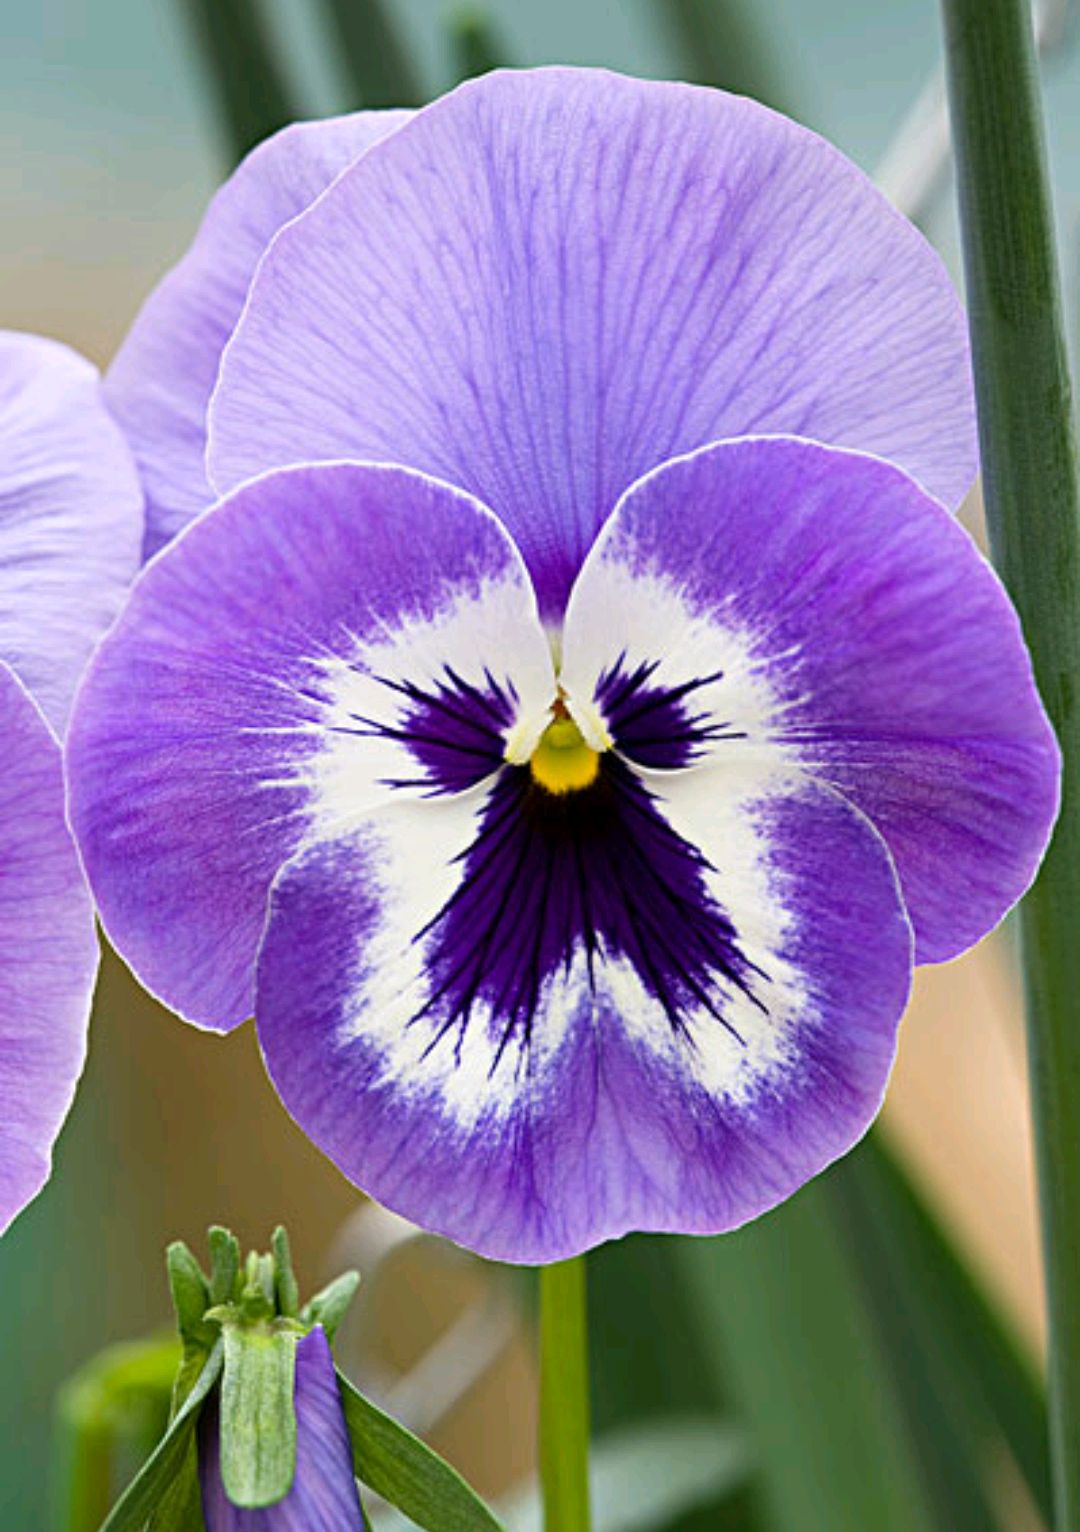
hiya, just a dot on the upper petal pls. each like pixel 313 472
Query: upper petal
pixel 323 1497
pixel 535 1025
pixel 326 637
pixel 70 516
pixel 48 951
pixel 549 282
pixel 784 598
pixel 161 379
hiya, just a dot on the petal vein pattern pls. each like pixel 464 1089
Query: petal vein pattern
pixel 327 637
pixel 857 637
pixel 547 283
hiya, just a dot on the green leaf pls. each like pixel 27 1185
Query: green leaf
pixel 475 46
pixel 721 43
pixel 170 1460
pixel 564 1396
pixel 644 1476
pixel 253 95
pixel 964 1376
pixel 377 60
pixel 640 1366
pixel 398 1466
pixel 781 1314
pixel 258 1420
pixel 1032 493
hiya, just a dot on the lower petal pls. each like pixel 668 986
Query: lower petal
pixel 48 951
pixel 531 1130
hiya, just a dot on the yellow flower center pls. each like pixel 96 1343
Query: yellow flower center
pixel 562 762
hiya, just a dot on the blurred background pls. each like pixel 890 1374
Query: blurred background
pixel 114 138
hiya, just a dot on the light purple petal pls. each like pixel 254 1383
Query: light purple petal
pixel 322 635
pixel 70 516
pixel 854 630
pixel 549 282
pixel 323 1497
pixel 160 382
pixel 530 1061
pixel 48 951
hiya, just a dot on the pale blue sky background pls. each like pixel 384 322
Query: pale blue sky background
pixel 110 145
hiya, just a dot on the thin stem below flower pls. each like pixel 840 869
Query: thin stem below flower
pixel 1033 514
pixel 564 1397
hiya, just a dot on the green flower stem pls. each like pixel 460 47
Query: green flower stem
pixel 564 1397
pixel 1030 482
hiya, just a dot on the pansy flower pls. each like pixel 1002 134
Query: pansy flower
pixel 70 530
pixel 580 710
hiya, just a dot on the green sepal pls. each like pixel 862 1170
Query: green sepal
pixel 224 1265
pixel 258 1420
pixel 398 1466
pixel 155 1489
pixel 328 1307
pixel 288 1293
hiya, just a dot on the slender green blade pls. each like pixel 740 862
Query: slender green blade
pixel 253 96
pixel 646 1361
pixel 398 1466
pixel 171 1459
pixel 564 1396
pixel 720 42
pixel 1031 490
pixel 475 46
pixel 782 1316
pixel 375 56
pixel 968 1382
pixel 258 1420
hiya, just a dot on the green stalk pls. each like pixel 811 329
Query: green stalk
pixel 564 1397
pixel 1030 482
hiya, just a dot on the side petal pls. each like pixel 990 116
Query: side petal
pixel 323 639
pixel 549 282
pixel 161 379
pixel 323 1497
pixel 48 951
pixel 70 516
pixel 532 1027
pixel 816 604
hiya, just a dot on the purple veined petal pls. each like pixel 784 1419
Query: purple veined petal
pixel 533 1022
pixel 70 516
pixel 323 1497
pixel 549 282
pixel 161 379
pixel 324 639
pixel 856 632
pixel 48 950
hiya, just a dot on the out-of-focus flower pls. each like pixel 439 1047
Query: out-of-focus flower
pixel 600 801
pixel 70 530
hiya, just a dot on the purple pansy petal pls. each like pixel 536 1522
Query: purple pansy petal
pixel 323 1497
pixel 816 604
pixel 326 637
pixel 160 382
pixel 48 951
pixel 549 282
pixel 676 1037
pixel 70 516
